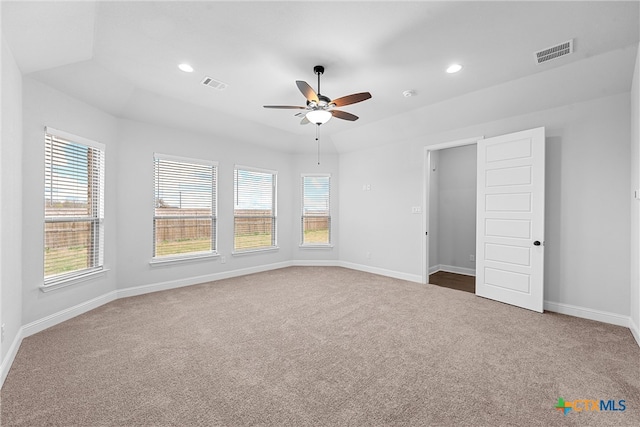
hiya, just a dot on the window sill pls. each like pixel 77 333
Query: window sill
pixel 255 251
pixel 74 280
pixel 318 246
pixel 161 262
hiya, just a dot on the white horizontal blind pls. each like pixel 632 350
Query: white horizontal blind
pixel 74 207
pixel 254 209
pixel 184 223
pixel 316 210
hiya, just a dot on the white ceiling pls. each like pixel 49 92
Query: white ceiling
pixel 122 57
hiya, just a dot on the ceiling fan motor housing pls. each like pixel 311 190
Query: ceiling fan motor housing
pixel 324 102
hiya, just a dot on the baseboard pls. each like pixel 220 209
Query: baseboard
pixel 10 356
pixel 635 331
pixel 173 284
pixel 434 269
pixel 457 270
pixel 66 314
pixel 381 271
pixel 588 313
pixel 315 263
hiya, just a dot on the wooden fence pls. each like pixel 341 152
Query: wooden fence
pixel 312 223
pixel 67 234
pixel 174 228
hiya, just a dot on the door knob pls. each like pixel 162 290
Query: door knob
pixel 536 243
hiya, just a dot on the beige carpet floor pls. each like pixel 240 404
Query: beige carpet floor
pixel 320 346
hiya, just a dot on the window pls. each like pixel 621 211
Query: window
pixel 254 214
pixel 184 223
pixel 316 210
pixel 73 206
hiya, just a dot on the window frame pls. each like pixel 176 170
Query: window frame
pixel 95 216
pixel 195 255
pixel 329 244
pixel 274 210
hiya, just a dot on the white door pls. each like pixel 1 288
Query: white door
pixel 510 219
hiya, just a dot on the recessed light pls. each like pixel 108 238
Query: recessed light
pixel 186 68
pixel 409 93
pixel 454 68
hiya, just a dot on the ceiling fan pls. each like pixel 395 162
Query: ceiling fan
pixel 319 107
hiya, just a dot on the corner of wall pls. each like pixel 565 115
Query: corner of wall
pixel 635 203
pixel 10 208
pixel 635 331
pixel 7 360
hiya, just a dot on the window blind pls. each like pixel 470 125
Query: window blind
pixel 74 206
pixel 254 209
pixel 184 223
pixel 316 210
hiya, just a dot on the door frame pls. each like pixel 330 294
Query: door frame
pixel 426 169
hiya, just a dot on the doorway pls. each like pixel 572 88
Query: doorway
pixel 509 220
pixel 450 210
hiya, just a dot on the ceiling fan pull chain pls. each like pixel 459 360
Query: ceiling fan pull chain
pixel 318 140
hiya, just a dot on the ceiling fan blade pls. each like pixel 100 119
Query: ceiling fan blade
pixel 351 99
pixel 285 107
pixel 304 121
pixel 307 91
pixel 344 115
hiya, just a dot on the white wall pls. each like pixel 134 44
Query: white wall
pixel 379 221
pixel 44 106
pixel 457 207
pixel 587 206
pixel 138 142
pixel 635 204
pixel 10 203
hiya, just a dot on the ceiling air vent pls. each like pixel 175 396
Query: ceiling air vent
pixel 554 52
pixel 216 84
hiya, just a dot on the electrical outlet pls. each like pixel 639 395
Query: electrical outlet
pixel 223 259
pixel 368 255
pixel 2 333
pixel 472 258
pixel 416 210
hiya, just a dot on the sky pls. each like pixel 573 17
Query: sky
pixel 66 172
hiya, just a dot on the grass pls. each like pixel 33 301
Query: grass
pixel 65 260
pixel 176 247
pixel 316 236
pixel 251 241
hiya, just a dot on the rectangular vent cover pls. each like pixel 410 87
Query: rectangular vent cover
pixel 216 84
pixel 554 52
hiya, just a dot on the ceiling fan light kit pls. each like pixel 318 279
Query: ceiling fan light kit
pixel 318 117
